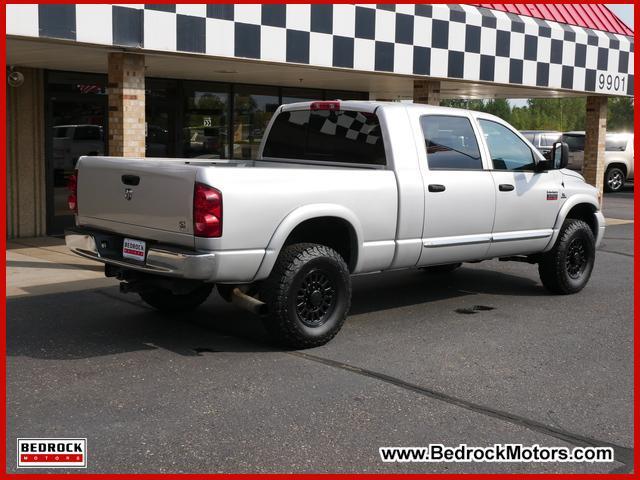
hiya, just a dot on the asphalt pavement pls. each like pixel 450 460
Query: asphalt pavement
pixel 481 356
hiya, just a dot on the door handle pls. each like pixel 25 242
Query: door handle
pixel 505 187
pixel 434 187
pixel 130 180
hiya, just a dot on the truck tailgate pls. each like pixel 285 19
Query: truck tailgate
pixel 147 199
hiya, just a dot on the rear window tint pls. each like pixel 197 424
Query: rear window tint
pixel 450 142
pixel 342 136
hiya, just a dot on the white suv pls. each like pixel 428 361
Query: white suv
pixel 618 157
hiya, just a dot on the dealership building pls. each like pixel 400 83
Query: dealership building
pixel 196 80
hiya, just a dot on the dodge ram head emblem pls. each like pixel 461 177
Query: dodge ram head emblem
pixel 128 193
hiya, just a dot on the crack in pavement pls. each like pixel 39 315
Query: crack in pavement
pixel 616 253
pixel 622 454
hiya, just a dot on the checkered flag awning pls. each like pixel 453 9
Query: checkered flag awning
pixel 437 41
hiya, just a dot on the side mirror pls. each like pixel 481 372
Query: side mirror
pixel 559 155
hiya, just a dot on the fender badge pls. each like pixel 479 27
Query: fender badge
pixel 552 195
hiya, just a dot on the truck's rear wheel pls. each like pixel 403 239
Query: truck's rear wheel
pixel 567 267
pixel 308 295
pixel 166 301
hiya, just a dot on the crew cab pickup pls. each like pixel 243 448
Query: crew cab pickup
pixel 337 189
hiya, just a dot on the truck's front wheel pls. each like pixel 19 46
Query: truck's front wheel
pixel 166 301
pixel 567 267
pixel 308 295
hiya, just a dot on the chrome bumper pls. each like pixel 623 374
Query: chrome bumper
pixel 160 260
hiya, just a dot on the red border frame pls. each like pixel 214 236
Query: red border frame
pixel 3 349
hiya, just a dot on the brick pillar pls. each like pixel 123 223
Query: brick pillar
pixel 126 105
pixel 426 91
pixel 596 129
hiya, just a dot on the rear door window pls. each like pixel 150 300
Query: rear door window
pixel 450 142
pixel 343 136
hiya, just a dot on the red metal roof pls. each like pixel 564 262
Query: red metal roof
pixel 589 15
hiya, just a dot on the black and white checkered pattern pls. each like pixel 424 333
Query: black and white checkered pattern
pixel 438 41
pixel 351 125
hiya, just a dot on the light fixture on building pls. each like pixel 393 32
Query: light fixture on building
pixel 15 78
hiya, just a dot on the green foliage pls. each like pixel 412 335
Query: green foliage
pixel 562 114
pixel 620 114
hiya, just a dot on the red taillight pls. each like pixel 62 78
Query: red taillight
pixel 72 199
pixel 207 211
pixel 332 105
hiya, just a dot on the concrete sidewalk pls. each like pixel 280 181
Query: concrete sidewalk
pixel 37 266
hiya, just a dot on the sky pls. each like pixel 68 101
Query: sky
pixel 624 11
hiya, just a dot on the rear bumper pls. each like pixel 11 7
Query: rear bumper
pixel 166 260
pixel 160 260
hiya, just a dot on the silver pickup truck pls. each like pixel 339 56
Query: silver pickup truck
pixel 338 188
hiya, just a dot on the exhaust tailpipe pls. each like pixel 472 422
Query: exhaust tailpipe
pixel 244 301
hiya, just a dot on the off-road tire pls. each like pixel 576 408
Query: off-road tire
pixel 306 273
pixel 614 179
pixel 166 301
pixel 439 269
pixel 557 266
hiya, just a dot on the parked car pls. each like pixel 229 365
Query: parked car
pixel 618 157
pixel 338 188
pixel 543 140
pixel 70 142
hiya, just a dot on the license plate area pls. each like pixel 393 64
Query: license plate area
pixel 133 249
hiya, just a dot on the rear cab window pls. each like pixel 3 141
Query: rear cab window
pixel 327 136
pixel 450 143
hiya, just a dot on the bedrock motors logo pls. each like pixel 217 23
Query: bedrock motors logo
pixel 52 453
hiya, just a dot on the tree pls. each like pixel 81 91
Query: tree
pixel 620 114
pixel 561 114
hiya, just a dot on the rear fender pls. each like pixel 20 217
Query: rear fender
pixel 295 218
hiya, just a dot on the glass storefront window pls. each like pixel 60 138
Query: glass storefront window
pixel 76 122
pixel 76 83
pixel 160 117
pixel 292 95
pixel 253 107
pixel 345 95
pixel 205 131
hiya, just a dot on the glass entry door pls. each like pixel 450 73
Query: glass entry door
pixel 205 129
pixel 76 126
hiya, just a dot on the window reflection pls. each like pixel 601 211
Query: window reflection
pixel 253 108
pixel 205 131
